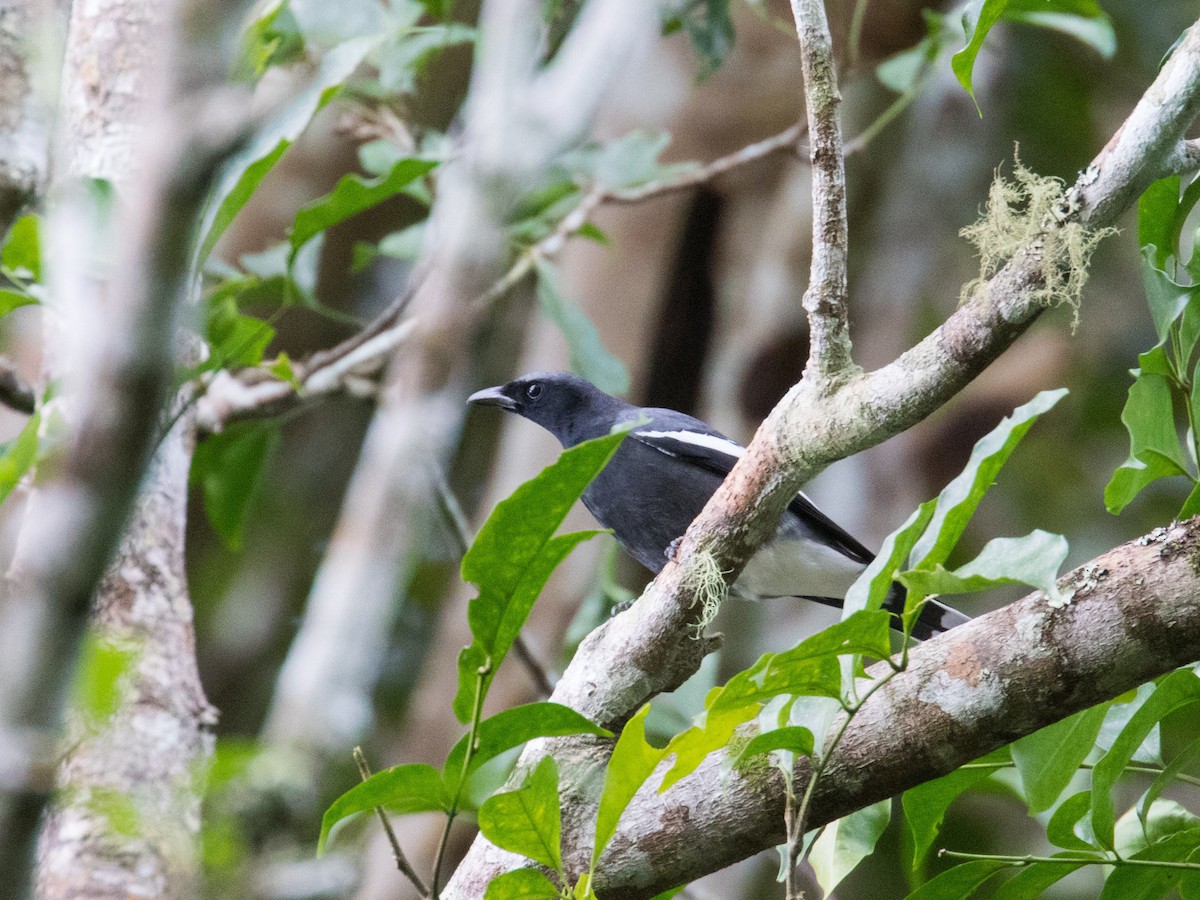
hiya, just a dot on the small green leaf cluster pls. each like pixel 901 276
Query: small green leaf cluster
pixel 1151 847
pixel 1166 377
pixel 510 560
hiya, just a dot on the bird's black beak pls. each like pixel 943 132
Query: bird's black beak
pixel 493 396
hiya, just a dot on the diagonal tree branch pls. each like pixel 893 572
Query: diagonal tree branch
pixel 829 359
pixel 651 647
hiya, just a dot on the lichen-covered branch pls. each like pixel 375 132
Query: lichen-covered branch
pixel 651 647
pixel 829 359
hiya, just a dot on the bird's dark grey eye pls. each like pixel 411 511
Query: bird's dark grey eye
pixel 533 391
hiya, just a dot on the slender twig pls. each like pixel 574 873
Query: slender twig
pixel 476 715
pixel 401 860
pixel 829 360
pixel 1131 767
pixel 461 532
pixel 854 44
pixel 1105 860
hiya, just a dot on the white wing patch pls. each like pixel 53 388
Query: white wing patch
pixel 707 441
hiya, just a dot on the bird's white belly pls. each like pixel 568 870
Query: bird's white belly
pixel 795 567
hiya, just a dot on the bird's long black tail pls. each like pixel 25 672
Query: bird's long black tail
pixel 935 616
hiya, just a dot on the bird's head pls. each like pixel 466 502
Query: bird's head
pixel 570 408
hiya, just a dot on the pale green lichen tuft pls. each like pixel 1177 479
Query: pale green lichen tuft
pixel 1034 213
pixel 708 588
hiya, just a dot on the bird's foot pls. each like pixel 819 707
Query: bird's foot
pixel 673 548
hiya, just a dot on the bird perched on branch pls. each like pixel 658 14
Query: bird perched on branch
pixel 663 474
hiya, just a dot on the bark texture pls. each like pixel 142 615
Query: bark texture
pixel 128 812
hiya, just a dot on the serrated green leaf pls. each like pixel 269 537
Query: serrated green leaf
pixel 957 502
pixel 527 821
pixel 1179 689
pixel 513 555
pixel 587 353
pixel 925 805
pixel 1032 880
pixel 632 762
pixel 246 170
pixel 229 469
pixel 1069 827
pixel 1154 452
pixel 521 884
pixel 845 843
pixel 511 728
pixel 403 789
pixel 1048 759
pixel 1033 560
pixel 19 456
pixel 960 882
pixel 351 195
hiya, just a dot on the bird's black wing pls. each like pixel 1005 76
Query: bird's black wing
pixel 684 437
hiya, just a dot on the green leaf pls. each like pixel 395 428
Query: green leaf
pixel 631 763
pixel 1148 883
pixel 511 728
pixel 19 456
pixel 793 738
pixel 245 172
pixel 873 585
pixel 985 14
pixel 404 56
pixel 925 805
pixel 843 844
pixel 904 71
pixel 1156 219
pixel 1033 880
pixel 693 745
pixel 272 39
pixel 1069 827
pixel 229 468
pixel 1135 832
pixel 960 882
pixel 10 300
pixel 1166 299
pixel 1083 20
pixel 587 353
pixel 403 789
pixel 1154 451
pixel 1033 560
pixel 708 26
pixel 513 555
pixel 521 884
pixel 957 502
pixel 22 252
pixel 1179 689
pixel 627 162
pixel 1048 759
pixel 1182 760
pixel 351 195
pixel 527 820
pixel 235 340
pixel 810 668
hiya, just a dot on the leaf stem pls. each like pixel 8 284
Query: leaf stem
pixel 472 736
pixel 401 860
pixel 1141 769
pixel 1105 860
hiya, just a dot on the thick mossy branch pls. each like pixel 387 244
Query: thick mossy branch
pixel 1025 213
